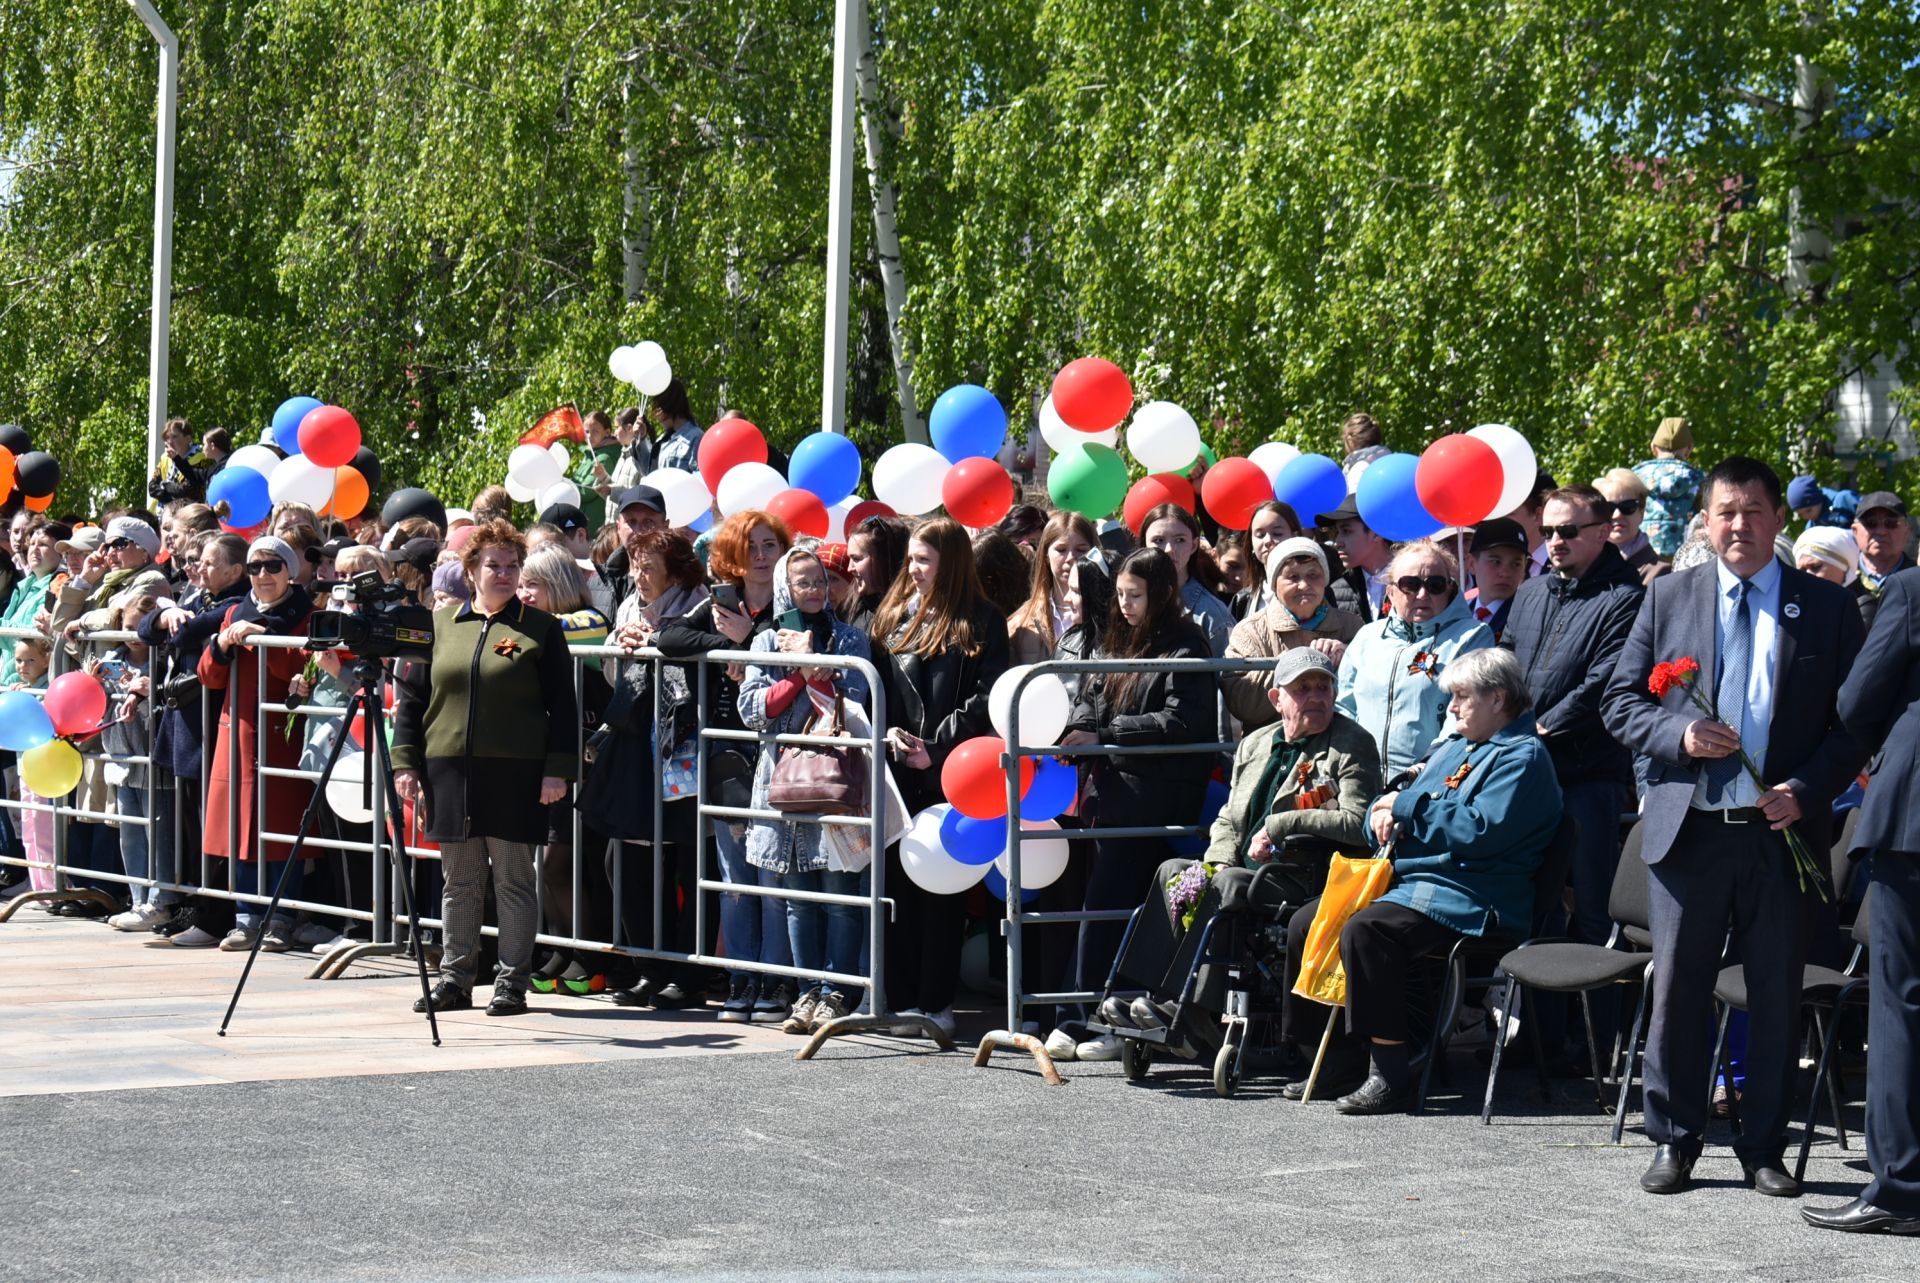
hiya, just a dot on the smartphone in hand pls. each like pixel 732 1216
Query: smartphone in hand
pixel 728 596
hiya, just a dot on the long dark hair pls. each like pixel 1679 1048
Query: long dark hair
pixel 888 539
pixel 1200 566
pixel 1127 641
pixel 1096 599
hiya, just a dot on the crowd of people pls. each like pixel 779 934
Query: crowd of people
pixel 1445 700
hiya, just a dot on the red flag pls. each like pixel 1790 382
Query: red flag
pixel 556 425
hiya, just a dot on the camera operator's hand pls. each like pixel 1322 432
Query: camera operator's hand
pixel 552 789
pixel 407 785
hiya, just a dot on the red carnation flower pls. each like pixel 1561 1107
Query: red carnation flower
pixel 1661 681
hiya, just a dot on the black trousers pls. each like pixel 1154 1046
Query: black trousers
pixel 1378 948
pixel 1122 872
pixel 1716 875
pixel 1893 1036
pixel 923 942
pixel 1161 952
pixel 630 867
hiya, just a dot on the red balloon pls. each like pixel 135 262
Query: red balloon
pixel 1232 489
pixel 77 704
pixel 1149 493
pixel 1092 394
pixel 864 509
pixel 1459 479
pixel 727 443
pixel 329 436
pixel 977 492
pixel 801 510
pixel 974 782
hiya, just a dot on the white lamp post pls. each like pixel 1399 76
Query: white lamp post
pixel 164 145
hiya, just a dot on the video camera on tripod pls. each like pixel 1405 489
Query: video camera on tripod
pixel 373 619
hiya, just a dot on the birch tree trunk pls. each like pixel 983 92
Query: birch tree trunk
pixel 636 204
pixel 886 235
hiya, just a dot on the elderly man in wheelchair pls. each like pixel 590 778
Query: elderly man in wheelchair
pixel 1209 940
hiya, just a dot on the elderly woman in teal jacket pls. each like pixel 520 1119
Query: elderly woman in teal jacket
pixel 1466 836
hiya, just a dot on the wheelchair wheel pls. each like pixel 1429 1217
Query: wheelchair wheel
pixel 1136 1058
pixel 1226 1077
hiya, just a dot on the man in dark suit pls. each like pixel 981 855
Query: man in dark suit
pixel 1773 645
pixel 1880 704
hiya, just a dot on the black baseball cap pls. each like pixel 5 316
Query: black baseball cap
pixel 331 549
pixel 642 497
pixel 1881 499
pixel 420 554
pixel 1500 532
pixel 1349 510
pixel 565 517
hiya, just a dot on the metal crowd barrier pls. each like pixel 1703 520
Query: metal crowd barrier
pixel 1017 918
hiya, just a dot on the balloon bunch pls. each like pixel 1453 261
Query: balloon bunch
pixel 538 475
pixel 815 498
pixel 949 847
pixel 42 731
pixel 644 365
pixel 959 470
pixel 35 472
pixel 1459 480
pixel 325 467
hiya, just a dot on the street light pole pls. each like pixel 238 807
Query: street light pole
pixel 833 392
pixel 165 143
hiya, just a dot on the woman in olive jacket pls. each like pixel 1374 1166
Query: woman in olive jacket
pixel 486 735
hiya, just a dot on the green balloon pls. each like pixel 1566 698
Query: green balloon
pixel 1088 479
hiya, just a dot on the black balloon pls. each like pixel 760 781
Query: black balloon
pixel 37 473
pixel 367 466
pixel 414 502
pixel 15 438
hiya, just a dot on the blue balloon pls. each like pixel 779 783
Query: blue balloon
pixel 827 464
pixel 997 887
pixel 967 422
pixel 972 841
pixel 244 491
pixel 1389 502
pixel 286 420
pixel 702 523
pixel 1052 791
pixel 1311 484
pixel 1209 811
pixel 24 724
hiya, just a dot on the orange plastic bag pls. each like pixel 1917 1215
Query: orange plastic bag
pixel 1351 886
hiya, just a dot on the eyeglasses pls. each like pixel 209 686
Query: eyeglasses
pixel 1883 527
pixel 1432 585
pixel 115 545
pixel 1626 507
pixel 267 566
pixel 1568 533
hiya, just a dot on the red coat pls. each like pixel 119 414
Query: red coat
pixel 286 799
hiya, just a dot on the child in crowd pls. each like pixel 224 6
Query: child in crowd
pixel 1498 559
pixel 32 656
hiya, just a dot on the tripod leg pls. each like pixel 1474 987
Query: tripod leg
pixel 299 845
pixel 383 766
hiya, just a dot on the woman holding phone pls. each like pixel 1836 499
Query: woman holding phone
pixel 945 646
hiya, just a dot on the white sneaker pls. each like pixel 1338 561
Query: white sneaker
pixel 191 938
pixel 141 917
pixel 327 946
pixel 1061 1045
pixel 278 939
pixel 308 934
pixel 1105 1047
pixel 944 1019
pixel 238 940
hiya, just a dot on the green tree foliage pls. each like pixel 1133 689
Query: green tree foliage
pixel 1573 216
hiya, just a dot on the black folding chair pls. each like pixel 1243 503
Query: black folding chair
pixel 1856 986
pixel 1572 966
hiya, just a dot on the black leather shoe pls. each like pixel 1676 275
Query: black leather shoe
pixel 670 997
pixel 447 996
pixel 1771 1179
pixel 639 995
pixel 1375 1096
pixel 1860 1217
pixel 1671 1171
pixel 507 1002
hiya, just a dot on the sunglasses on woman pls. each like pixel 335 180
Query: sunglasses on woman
pixel 266 566
pixel 1625 507
pixel 1432 585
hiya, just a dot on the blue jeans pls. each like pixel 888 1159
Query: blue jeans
pixel 754 927
pixel 136 842
pixel 827 937
pixel 248 880
pixel 1595 806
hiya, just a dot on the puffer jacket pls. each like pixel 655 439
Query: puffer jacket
pixel 1567 637
pixel 1390 679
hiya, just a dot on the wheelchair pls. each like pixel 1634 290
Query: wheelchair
pixel 1245 941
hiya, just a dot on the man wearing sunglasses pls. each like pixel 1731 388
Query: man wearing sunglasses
pixel 122 568
pixel 1567 628
pixel 1882 530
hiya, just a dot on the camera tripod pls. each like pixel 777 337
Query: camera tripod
pixel 366 678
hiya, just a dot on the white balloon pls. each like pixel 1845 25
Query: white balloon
pixel 620 363
pixel 686 495
pixel 1042 860
pixel 558 451
pixel 1272 457
pixel 559 492
pixel 1060 438
pixel 1045 707
pixel 927 862
pixel 907 478
pixel 345 789
pixel 748 485
pixel 1163 437
pixel 533 468
pixel 299 479
pixel 650 372
pixel 837 518
pixel 519 493
pixel 257 457
pixel 1518 464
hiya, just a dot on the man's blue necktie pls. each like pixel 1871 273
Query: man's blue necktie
pixel 1730 694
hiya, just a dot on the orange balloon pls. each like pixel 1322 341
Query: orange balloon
pixel 6 473
pixel 350 492
pixel 41 504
